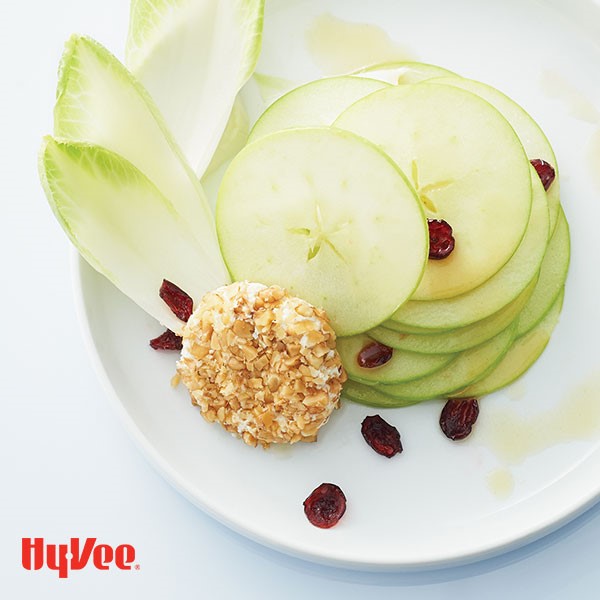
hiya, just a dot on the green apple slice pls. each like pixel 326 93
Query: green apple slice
pixel 371 396
pixel 521 355
pixel 403 72
pixel 497 292
pixel 403 366
pixel 321 102
pixel 551 281
pixel 467 367
pixel 459 339
pixel 326 215
pixel 404 328
pixel 448 139
pixel 314 104
pixel 532 137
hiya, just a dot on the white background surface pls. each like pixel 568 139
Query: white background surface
pixel 69 468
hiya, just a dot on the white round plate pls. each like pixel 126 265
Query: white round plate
pixel 534 460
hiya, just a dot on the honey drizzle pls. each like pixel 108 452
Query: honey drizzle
pixel 513 437
pixel 339 46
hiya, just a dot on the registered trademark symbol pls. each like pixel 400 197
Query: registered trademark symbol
pixel 136 567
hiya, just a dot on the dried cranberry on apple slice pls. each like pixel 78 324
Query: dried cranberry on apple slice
pixel 325 506
pixel 374 355
pixel 177 300
pixel 458 417
pixel 167 341
pixel 545 171
pixel 441 240
pixel 381 436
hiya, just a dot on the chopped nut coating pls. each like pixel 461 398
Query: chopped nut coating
pixel 262 363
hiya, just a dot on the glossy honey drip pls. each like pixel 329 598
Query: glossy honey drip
pixel 339 46
pixel 513 437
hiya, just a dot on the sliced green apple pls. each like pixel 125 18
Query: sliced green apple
pixel 532 137
pixel 497 292
pixel 467 367
pixel 403 72
pixel 314 104
pixel 403 366
pixel 553 274
pixel 521 355
pixel 399 327
pixel 448 140
pixel 321 102
pixel 459 339
pixel 325 214
pixel 372 396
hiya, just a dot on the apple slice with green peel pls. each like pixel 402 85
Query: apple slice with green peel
pixel 532 137
pixel 522 354
pixel 468 366
pixel 410 329
pixel 403 72
pixel 497 292
pixel 551 281
pixel 449 141
pixel 321 102
pixel 372 396
pixel 325 214
pixel 403 366
pixel 314 104
pixel 459 339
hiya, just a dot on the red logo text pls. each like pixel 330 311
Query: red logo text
pixel 63 558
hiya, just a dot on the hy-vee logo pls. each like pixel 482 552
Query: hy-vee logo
pixel 63 558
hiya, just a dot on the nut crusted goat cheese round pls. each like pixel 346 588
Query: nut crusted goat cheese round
pixel 262 363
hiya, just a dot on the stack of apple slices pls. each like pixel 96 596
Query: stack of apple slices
pixel 332 197
pixel 491 333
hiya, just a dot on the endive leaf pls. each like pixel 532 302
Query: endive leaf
pixel 100 102
pixel 193 56
pixel 123 226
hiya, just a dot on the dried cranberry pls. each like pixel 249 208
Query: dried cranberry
pixel 325 506
pixel 381 436
pixel 458 417
pixel 441 240
pixel 167 341
pixel 545 171
pixel 177 300
pixel 374 355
